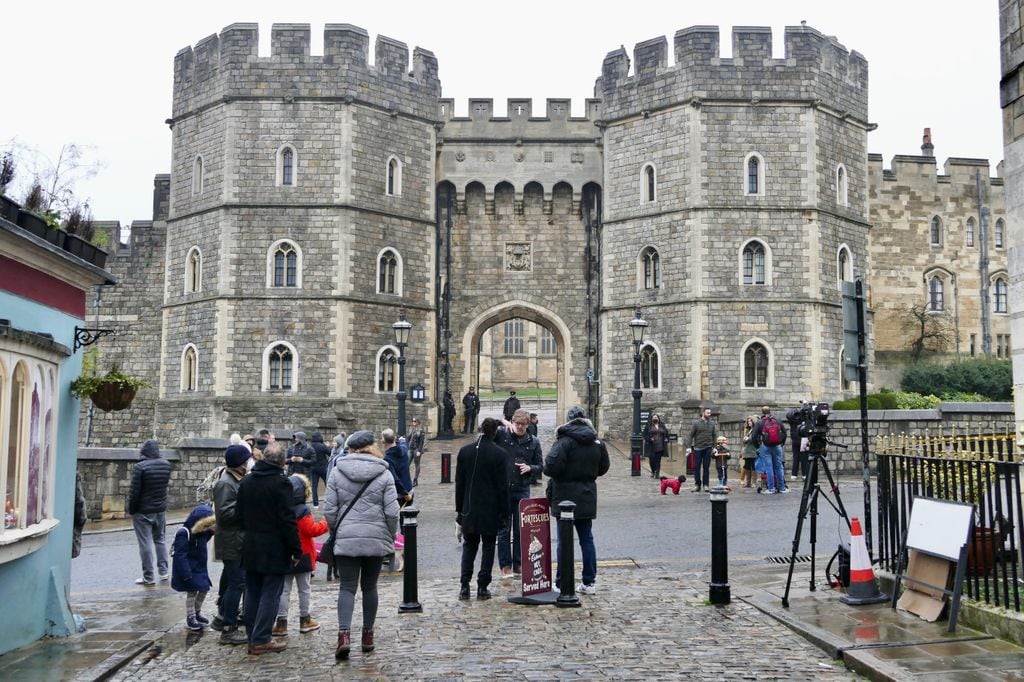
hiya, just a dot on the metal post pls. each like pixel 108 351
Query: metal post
pixel 636 441
pixel 566 560
pixel 446 467
pixel 410 598
pixel 401 389
pixel 719 592
pixel 862 381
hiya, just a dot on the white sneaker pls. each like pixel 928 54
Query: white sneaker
pixel 165 577
pixel 583 588
pixel 143 581
pixel 793 477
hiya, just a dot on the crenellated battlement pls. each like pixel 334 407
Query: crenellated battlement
pixel 228 65
pixel 956 170
pixel 519 118
pixel 815 68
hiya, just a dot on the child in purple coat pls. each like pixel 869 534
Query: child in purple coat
pixel 188 569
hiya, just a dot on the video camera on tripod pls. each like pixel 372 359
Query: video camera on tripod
pixel 811 422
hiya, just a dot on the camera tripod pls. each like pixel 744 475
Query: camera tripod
pixel 809 505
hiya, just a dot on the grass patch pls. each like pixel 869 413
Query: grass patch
pixel 551 393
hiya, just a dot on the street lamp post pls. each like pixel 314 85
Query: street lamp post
pixel 638 325
pixel 402 328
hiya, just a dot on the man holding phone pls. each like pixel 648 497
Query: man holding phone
pixel 525 462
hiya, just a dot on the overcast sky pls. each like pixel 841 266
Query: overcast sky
pixel 103 77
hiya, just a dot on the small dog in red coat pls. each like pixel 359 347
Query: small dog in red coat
pixel 672 483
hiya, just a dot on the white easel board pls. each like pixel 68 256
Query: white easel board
pixel 938 527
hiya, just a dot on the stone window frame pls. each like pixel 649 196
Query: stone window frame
pixel 194 270
pixel 188 377
pixel 648 183
pixel 842 185
pixel 514 337
pixel 648 279
pixel 39 370
pixel 969 228
pixel 271 264
pixel 398 273
pixel 769 369
pixel 393 176
pixel 935 236
pixel 745 175
pixel 651 349
pixel 547 344
pixel 265 381
pixel 384 353
pixel 768 259
pixel 842 276
pixel 197 175
pixel 279 173
pixel 999 236
pixel 1000 292
pixel 936 282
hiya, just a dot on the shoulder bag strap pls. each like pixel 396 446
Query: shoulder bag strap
pixel 334 531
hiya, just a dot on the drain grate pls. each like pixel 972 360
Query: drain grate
pixel 801 558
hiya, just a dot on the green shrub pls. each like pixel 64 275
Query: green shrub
pixel 988 377
pixel 906 400
pixel 854 404
pixel 887 399
pixel 959 397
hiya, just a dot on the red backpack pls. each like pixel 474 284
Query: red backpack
pixel 771 431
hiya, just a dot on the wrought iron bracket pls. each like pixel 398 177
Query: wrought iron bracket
pixel 86 337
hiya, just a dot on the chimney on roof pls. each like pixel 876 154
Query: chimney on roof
pixel 927 148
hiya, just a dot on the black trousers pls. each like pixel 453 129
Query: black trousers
pixel 655 458
pixel 470 543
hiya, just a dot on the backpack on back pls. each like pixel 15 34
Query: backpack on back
pixel 771 431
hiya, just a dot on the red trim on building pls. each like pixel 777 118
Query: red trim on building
pixel 26 281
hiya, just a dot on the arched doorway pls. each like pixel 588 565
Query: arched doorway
pixel 524 311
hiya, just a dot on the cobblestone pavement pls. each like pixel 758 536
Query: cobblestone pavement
pixel 642 624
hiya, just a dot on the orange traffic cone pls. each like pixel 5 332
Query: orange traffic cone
pixel 863 588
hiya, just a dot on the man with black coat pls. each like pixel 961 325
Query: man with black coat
pixel 481 503
pixel 511 405
pixel 270 545
pixel 300 455
pixel 147 505
pixel 318 470
pixel 449 412
pixel 228 547
pixel 524 462
pixel 471 408
pixel 573 465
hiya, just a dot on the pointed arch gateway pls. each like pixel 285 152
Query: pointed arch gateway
pixel 469 357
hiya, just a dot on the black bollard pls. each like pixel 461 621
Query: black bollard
pixel 719 593
pixel 566 560
pixel 446 467
pixel 410 598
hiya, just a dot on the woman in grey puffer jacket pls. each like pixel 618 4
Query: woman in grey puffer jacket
pixel 366 534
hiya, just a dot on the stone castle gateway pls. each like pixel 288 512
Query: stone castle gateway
pixel 312 197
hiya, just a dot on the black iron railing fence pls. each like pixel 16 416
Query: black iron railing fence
pixel 979 470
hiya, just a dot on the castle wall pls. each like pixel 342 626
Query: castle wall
pixel 904 199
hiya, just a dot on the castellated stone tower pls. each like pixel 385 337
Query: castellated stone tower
pixel 305 187
pixel 736 191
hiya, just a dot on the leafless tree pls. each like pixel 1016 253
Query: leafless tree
pixel 929 330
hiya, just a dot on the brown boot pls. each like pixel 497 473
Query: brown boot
pixel 367 641
pixel 344 644
pixel 271 647
pixel 280 628
pixel 307 624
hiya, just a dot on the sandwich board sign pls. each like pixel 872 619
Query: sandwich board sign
pixel 535 553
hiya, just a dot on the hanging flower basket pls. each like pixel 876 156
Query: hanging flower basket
pixel 110 392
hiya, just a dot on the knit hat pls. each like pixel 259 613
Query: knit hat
pixel 575 412
pixel 360 440
pixel 150 449
pixel 339 440
pixel 298 488
pixel 236 455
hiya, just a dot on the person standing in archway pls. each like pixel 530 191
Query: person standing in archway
pixel 471 405
pixel 511 405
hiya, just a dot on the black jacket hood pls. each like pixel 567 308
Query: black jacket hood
pixel 579 429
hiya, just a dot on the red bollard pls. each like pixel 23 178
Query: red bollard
pixel 446 467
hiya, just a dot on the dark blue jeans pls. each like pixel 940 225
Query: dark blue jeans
pixel 262 597
pixel 315 476
pixel 508 542
pixel 585 533
pixel 234 585
pixel 702 466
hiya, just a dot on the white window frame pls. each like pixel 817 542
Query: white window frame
pixel 767 262
pixel 393 185
pixel 399 272
pixel 197 271
pixel 198 167
pixel 945 281
pixel 279 164
pixel 298 264
pixel 770 374
pixel 183 378
pixel 745 179
pixel 376 368
pixel 648 190
pixel 661 364
pixel 969 232
pixel 842 185
pixel 265 382
pixel 997 279
pixel 641 271
pixel 840 275
pixel 999 236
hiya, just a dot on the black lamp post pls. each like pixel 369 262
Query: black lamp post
pixel 638 325
pixel 402 328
